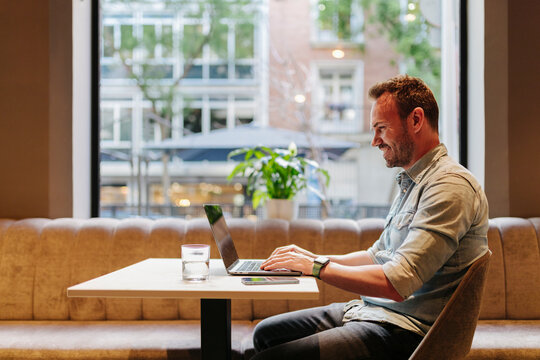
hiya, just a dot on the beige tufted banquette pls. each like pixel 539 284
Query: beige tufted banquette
pixel 40 258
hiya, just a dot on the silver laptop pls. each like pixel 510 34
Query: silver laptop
pixel 227 250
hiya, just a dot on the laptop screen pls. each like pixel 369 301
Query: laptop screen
pixel 221 234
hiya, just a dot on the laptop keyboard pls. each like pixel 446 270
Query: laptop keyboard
pixel 249 266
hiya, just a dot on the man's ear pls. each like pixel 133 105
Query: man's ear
pixel 418 119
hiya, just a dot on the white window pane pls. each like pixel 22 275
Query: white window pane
pixel 107 124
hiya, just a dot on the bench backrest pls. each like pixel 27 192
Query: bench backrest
pixel 40 258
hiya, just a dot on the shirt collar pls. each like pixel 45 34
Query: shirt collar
pixel 417 171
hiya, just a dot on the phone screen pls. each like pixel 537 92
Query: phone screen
pixel 268 280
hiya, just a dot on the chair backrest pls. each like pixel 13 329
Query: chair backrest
pixel 451 335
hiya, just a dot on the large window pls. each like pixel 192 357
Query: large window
pixel 181 79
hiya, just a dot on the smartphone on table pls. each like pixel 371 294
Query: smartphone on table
pixel 267 280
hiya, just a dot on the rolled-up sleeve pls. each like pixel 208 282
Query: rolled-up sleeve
pixel 442 218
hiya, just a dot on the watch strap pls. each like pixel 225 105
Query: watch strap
pixel 318 264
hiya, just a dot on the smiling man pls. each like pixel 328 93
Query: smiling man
pixel 404 119
pixel 436 228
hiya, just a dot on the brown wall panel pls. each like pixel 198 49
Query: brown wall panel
pixel 35 103
pixel 524 107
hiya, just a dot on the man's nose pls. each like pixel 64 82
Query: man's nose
pixel 376 141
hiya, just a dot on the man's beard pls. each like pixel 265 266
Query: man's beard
pixel 402 154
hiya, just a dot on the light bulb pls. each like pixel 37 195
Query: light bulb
pixel 299 98
pixel 410 17
pixel 338 53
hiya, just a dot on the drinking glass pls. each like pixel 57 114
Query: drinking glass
pixel 195 262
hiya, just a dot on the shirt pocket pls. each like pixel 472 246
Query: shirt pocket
pixel 403 220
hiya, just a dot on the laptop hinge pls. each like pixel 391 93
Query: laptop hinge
pixel 233 264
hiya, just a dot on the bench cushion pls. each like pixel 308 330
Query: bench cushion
pixel 110 339
pixel 506 339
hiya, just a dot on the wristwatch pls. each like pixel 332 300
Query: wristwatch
pixel 318 264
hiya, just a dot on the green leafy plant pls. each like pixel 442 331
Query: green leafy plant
pixel 410 38
pixel 276 173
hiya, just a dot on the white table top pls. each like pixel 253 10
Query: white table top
pixel 162 278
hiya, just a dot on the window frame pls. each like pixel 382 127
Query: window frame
pixel 95 63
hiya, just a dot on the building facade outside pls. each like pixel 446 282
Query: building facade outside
pixel 302 65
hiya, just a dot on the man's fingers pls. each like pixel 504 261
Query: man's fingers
pixel 275 258
pixel 272 259
pixel 280 264
pixel 280 250
pixel 288 260
pixel 284 249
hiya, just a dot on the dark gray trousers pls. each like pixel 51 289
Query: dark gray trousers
pixel 319 333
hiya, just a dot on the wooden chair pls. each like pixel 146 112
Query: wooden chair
pixel 451 335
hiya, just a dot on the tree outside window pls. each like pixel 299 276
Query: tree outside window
pixel 177 68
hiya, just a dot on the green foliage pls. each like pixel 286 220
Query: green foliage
pixel 410 38
pixel 128 41
pixel 336 15
pixel 218 42
pixel 157 82
pixel 275 173
pixel 190 48
pixel 244 41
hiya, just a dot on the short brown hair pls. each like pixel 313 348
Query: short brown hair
pixel 409 92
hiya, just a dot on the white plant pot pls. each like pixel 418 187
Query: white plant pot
pixel 281 209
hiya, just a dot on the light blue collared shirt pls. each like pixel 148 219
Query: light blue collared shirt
pixel 437 227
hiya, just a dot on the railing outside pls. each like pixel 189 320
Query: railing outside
pixel 194 211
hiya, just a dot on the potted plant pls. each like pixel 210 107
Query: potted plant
pixel 276 175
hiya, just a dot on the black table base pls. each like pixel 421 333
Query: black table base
pixel 216 329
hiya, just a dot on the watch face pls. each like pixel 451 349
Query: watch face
pixel 323 260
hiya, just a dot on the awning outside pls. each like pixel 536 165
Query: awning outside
pixel 216 145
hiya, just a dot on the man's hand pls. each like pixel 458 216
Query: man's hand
pixel 293 248
pixel 354 272
pixel 290 257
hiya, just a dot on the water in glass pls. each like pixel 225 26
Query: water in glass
pixel 195 262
